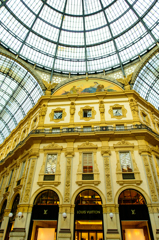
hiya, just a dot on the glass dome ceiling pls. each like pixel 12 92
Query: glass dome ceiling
pixel 79 36
pixel 147 82
pixel 19 92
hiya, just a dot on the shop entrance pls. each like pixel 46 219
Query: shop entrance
pixel 134 216
pixel 88 216
pixel 44 216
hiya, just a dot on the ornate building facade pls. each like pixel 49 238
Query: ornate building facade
pixel 82 164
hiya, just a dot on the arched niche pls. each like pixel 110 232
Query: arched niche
pixel 88 197
pixel 40 190
pixel 138 189
pixel 131 197
pixel 47 197
pixel 85 188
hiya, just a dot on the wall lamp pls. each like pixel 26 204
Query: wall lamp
pixel 10 215
pixel 64 216
pixel 111 215
pixel 20 215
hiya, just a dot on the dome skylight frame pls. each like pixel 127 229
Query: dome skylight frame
pixel 70 36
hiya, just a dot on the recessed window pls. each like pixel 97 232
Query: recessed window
pixel 87 113
pixel 157 159
pixel 117 111
pixel 51 163
pixel 58 115
pixel 144 116
pixel 125 160
pixel 87 163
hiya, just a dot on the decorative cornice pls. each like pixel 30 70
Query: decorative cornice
pixel 123 144
pixel 53 146
pixel 87 145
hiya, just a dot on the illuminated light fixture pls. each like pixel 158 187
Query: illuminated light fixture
pixel 111 215
pixel 64 215
pixel 20 215
pixel 10 215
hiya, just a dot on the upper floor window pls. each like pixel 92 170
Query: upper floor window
pixel 51 163
pixel 58 115
pixel 126 163
pixel 22 169
pixel 87 113
pixel 117 111
pixel 87 162
pixel 10 178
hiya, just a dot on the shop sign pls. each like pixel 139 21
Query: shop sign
pixel 88 212
pixel 45 212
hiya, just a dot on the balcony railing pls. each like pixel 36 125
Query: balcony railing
pixel 98 129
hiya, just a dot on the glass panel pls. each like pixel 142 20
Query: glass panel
pixel 135 230
pixel 51 163
pixel 126 164
pixel 84 236
pixel 88 197
pixel 46 233
pixel 99 236
pixel 131 196
pixel 47 198
pixel 92 235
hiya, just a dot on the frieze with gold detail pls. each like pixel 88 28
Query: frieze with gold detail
pixel 84 87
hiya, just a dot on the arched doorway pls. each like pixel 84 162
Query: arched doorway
pixel 2 211
pixel 44 216
pixel 12 219
pixel 88 216
pixel 134 216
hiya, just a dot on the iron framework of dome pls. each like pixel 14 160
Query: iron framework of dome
pixel 19 92
pixel 79 36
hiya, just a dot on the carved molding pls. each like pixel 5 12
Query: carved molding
pixel 102 111
pixel 108 179
pixel 72 112
pixel 146 120
pixel 123 144
pixel 124 111
pixel 51 115
pixel 150 179
pixel 154 174
pixel 29 181
pixel 68 180
pixel 80 113
pixel 87 145
pixel 53 146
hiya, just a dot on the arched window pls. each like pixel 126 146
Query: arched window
pixel 47 197
pixel 15 204
pixel 131 196
pixel 88 197
pixel 2 210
